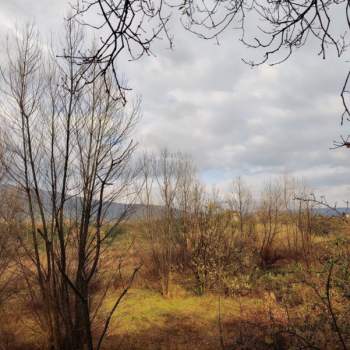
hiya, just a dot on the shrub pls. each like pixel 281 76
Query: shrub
pixel 323 225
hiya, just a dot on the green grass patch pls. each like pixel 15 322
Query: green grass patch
pixel 143 310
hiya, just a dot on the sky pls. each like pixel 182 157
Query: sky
pixel 201 99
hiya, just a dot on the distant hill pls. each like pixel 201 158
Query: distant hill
pixel 135 211
pixel 332 212
pixel 114 210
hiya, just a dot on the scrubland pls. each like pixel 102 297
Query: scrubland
pixel 103 248
pixel 220 294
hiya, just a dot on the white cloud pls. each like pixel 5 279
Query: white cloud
pixel 201 99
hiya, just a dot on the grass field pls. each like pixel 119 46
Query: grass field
pixel 274 298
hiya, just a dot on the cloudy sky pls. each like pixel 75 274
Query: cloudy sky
pixel 200 98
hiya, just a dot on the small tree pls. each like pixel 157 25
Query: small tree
pixel 269 220
pixel 240 202
pixel 163 226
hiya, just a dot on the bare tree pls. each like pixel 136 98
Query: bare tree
pixel 283 27
pixel 298 217
pixel 167 194
pixel 166 172
pixel 269 218
pixel 129 26
pixel 240 202
pixel 70 148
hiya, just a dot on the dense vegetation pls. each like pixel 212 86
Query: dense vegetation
pixel 215 271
